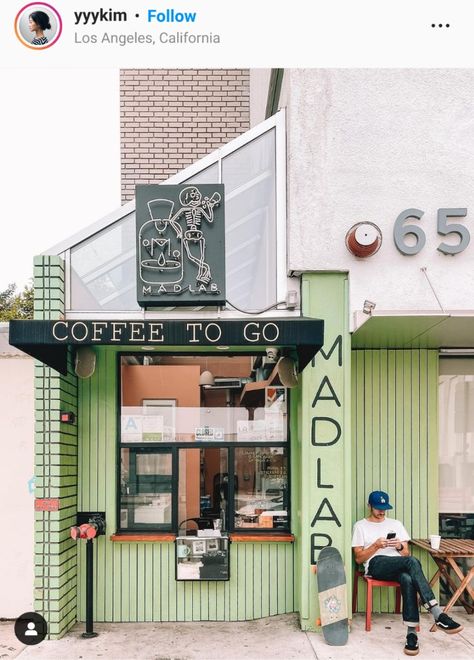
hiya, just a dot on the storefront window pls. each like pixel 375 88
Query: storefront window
pixel 456 455
pixel 456 447
pixel 198 456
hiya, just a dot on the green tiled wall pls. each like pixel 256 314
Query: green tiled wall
pixel 55 467
pixel 49 287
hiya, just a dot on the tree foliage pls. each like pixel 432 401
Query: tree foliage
pixel 15 305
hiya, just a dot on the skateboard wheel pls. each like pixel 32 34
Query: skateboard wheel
pixel 318 622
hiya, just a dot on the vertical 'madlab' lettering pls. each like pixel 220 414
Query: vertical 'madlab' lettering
pixel 325 441
pixel 321 437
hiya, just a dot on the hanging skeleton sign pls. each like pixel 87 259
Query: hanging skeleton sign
pixel 180 245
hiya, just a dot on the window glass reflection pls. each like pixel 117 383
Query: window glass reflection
pixel 261 487
pixel 146 488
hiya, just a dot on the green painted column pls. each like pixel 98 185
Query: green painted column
pixel 55 467
pixel 325 469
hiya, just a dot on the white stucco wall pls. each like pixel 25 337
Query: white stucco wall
pixel 16 469
pixel 259 81
pixel 363 146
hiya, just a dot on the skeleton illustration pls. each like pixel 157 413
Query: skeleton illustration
pixel 195 209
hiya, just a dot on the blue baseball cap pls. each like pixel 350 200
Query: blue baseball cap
pixel 379 500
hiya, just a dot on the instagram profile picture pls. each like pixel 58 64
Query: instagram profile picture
pixel 38 25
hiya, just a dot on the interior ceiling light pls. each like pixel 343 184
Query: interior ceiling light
pixel 206 378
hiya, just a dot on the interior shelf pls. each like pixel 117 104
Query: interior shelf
pixel 253 394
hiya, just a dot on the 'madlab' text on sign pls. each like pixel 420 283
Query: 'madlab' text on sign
pixel 180 245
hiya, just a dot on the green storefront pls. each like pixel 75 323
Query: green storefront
pixel 182 422
pixel 290 460
pixel 214 442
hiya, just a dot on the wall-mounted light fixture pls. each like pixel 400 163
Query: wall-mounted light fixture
pixel 273 353
pixel 364 239
pixel 368 307
pixel 84 365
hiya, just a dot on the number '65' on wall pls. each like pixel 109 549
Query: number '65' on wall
pixel 401 231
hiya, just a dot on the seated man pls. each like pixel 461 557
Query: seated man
pixel 381 544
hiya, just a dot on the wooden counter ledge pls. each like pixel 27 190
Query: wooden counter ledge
pixel 151 538
pixel 263 538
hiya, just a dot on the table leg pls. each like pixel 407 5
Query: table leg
pixel 443 572
pixel 457 594
pixel 455 566
pixel 435 577
pixel 460 589
pixel 454 587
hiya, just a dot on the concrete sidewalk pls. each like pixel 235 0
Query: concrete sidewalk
pixel 275 637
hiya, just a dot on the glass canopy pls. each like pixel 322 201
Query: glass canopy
pixel 102 267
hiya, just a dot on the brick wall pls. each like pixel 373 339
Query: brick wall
pixel 172 117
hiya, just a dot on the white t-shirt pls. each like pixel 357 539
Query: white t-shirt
pixel 366 532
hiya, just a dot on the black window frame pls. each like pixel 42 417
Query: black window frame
pixel 174 447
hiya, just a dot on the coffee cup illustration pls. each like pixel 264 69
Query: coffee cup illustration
pixel 160 244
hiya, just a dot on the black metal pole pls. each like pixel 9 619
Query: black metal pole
pixel 89 590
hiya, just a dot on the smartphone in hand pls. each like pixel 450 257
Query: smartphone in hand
pixel 391 535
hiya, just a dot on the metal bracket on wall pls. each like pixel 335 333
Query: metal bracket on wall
pixel 92 517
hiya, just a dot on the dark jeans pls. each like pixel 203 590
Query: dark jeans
pixel 408 572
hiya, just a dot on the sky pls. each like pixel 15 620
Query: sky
pixel 59 159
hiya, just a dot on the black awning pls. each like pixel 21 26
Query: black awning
pixel 48 341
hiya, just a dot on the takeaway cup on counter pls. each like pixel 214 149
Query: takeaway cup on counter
pixel 435 541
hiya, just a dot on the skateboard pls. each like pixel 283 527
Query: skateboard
pixel 332 597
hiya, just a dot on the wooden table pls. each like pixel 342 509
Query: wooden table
pixel 445 558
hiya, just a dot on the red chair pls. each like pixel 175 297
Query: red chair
pixel 371 583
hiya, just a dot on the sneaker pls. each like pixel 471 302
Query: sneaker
pixel 411 646
pixel 447 625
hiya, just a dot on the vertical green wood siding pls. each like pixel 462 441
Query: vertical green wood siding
pixel 395 441
pixel 136 581
pixel 143 585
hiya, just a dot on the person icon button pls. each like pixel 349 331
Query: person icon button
pixel 30 628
